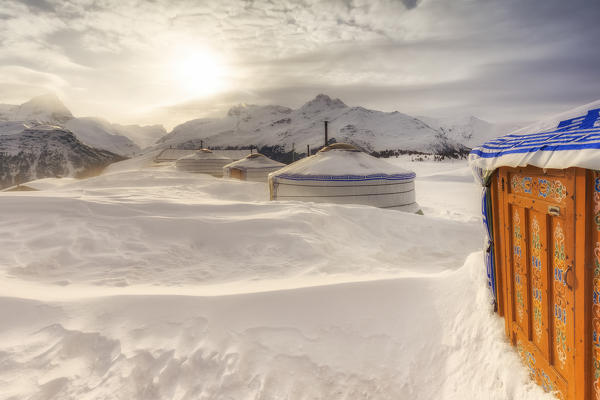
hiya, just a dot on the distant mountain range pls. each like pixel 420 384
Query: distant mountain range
pixel 263 125
pixel 372 130
pixel 94 132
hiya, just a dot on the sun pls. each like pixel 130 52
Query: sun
pixel 198 72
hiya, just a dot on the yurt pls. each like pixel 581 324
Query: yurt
pixel 341 173
pixel 254 167
pixel 541 210
pixel 203 161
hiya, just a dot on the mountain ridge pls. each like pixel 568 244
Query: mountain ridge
pixel 273 125
pixel 96 132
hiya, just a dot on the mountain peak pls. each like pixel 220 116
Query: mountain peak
pixel 322 102
pixel 240 109
pixel 46 108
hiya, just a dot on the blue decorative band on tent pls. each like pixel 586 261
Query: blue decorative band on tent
pixel 579 133
pixel 553 141
pixel 347 178
pixel 486 212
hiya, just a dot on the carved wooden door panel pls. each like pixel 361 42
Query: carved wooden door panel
pixel 539 220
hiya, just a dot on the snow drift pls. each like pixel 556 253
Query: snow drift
pixel 156 284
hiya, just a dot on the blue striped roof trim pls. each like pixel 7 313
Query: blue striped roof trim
pixel 348 178
pixel 547 141
pixel 573 134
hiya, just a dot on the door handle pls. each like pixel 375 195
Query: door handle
pixel 569 277
pixel 554 210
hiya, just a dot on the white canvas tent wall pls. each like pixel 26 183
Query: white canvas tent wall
pixel 254 167
pixel 341 173
pixel 204 162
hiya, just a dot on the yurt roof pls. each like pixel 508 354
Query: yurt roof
pixel 175 154
pixel 345 162
pixel 204 154
pixel 255 160
pixel 574 142
pixel 172 154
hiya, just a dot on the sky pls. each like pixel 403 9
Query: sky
pixel 167 61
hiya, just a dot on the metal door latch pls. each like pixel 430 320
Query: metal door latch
pixel 554 210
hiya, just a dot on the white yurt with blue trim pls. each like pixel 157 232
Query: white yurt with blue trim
pixel 203 161
pixel 254 167
pixel 343 174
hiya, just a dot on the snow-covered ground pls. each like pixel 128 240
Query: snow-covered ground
pixel 155 284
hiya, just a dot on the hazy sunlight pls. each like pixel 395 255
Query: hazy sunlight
pixel 198 72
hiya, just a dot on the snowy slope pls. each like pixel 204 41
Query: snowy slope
pixel 12 127
pixel 144 136
pixel 469 131
pixel 48 151
pixel 101 134
pixel 156 284
pixel 276 125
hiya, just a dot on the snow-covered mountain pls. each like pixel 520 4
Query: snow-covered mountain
pixel 143 135
pixel 276 125
pixel 101 134
pixel 373 130
pixel 45 109
pixel 469 131
pixel 95 132
pixel 48 151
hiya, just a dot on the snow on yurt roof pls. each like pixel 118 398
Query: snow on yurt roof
pixel 255 160
pixel 342 161
pixel 170 154
pixel 204 154
pixel 573 142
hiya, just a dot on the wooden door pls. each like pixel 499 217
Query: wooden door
pixel 537 209
pixel 237 174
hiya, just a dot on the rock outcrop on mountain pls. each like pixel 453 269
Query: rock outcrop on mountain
pixel 48 151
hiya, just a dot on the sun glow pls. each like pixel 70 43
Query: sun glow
pixel 198 72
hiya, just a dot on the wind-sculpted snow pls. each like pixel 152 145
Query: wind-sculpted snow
pixel 419 338
pixel 175 230
pixel 155 284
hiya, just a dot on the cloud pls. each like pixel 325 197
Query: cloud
pixel 509 57
pixel 410 3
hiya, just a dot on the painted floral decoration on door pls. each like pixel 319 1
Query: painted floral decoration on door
pixel 536 270
pixel 560 304
pixel 543 188
pixel 519 276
